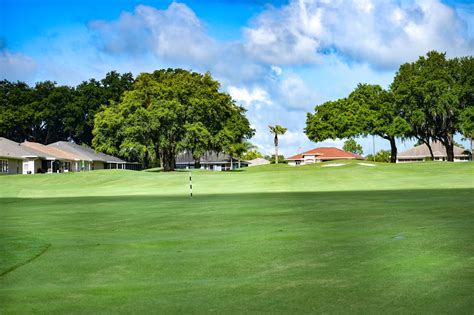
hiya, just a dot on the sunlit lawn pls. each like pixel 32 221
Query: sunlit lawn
pixel 389 238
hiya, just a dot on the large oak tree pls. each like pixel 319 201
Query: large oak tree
pixel 169 111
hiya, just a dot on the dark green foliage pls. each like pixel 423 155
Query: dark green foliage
pixel 47 112
pixel 367 110
pixel 433 94
pixel 169 111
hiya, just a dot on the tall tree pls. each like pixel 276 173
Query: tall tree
pixel 350 145
pixel 276 131
pixel 367 110
pixel 238 150
pixel 429 95
pixel 169 111
pixel 378 115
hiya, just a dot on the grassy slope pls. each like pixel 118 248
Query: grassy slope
pixel 273 238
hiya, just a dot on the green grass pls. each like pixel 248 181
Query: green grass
pixel 312 239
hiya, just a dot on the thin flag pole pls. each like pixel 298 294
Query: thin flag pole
pixel 190 185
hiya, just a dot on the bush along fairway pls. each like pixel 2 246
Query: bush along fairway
pixel 280 239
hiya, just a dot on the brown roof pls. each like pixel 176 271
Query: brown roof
pixel 51 151
pixel 422 151
pixel 327 154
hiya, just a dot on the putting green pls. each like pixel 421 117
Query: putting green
pixel 389 238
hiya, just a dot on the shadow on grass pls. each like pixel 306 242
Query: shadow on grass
pixel 369 251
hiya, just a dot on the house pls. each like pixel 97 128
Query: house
pixel 53 160
pixel 215 161
pixel 421 153
pixel 31 157
pixel 321 155
pixel 13 158
pixel 92 160
pixel 258 161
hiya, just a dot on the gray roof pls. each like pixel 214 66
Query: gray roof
pixel 210 157
pixel 85 153
pixel 258 161
pixel 422 151
pixel 13 150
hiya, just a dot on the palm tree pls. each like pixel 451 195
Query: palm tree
pixel 241 148
pixel 238 149
pixel 277 130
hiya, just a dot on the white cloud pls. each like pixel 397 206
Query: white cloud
pixel 382 33
pixel 249 97
pixel 16 66
pixel 178 38
pixel 277 70
pixel 295 94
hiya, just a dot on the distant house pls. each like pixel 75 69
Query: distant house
pixel 92 160
pixel 215 161
pixel 52 160
pixel 321 155
pixel 421 153
pixel 258 161
pixel 13 156
pixel 31 157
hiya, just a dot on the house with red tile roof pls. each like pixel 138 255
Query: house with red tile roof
pixel 321 155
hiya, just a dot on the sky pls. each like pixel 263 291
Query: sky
pixel 278 59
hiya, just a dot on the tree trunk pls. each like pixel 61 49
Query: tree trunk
pixel 169 160
pixel 428 144
pixel 145 160
pixel 449 145
pixel 393 149
pixel 239 162
pixel 472 153
pixel 276 148
pixel 231 163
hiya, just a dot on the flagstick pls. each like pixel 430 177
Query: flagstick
pixel 190 185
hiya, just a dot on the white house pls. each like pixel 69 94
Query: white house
pixel 321 155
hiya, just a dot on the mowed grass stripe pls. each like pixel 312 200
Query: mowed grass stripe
pixel 356 250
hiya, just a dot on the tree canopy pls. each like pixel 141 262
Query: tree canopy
pixel 169 111
pixel 433 95
pixel 430 99
pixel 48 112
pixel 352 146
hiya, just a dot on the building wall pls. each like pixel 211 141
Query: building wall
pixel 31 166
pixel 14 166
pixel 97 165
pixel 436 159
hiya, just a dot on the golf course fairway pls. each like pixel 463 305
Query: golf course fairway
pixel 279 239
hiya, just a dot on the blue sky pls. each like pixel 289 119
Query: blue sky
pixel 277 58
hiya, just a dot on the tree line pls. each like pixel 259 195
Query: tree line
pixel 150 118
pixel 47 112
pixel 431 99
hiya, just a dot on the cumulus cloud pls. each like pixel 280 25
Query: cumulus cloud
pixel 16 66
pixel 295 94
pixel 382 33
pixel 249 97
pixel 175 36
pixel 175 33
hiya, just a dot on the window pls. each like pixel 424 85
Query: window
pixel 3 166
